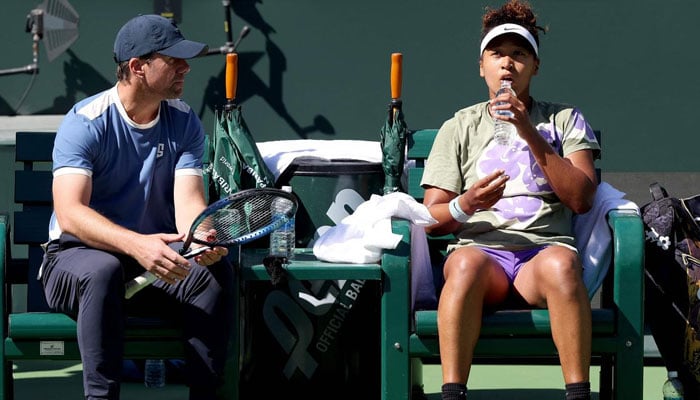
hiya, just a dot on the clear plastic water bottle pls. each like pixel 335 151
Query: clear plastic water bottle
pixel 282 240
pixel 505 132
pixel 154 373
pixel 673 388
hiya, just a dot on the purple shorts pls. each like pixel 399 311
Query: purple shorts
pixel 511 261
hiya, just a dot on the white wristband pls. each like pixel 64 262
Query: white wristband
pixel 456 211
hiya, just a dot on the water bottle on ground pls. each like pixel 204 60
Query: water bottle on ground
pixel 282 240
pixel 154 373
pixel 505 132
pixel 673 388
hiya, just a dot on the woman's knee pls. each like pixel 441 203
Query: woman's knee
pixel 471 272
pixel 467 263
pixel 561 269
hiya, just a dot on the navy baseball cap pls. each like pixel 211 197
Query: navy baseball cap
pixel 153 34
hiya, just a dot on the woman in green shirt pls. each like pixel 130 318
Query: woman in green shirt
pixel 511 207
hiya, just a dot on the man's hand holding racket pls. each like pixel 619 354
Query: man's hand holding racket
pixel 211 255
pixel 234 220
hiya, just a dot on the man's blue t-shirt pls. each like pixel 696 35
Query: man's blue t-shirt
pixel 133 166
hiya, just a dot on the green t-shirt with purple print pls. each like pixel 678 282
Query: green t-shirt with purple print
pixel 530 213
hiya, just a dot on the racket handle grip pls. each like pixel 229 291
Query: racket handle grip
pixel 138 283
pixel 135 285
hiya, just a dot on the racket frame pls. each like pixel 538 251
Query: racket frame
pixel 145 279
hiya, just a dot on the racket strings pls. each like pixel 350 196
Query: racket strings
pixel 239 218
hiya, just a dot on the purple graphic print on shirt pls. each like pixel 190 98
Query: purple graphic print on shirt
pixel 520 200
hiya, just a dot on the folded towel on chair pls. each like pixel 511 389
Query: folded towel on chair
pixel 278 154
pixel 593 237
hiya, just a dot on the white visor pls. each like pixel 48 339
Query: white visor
pixel 508 28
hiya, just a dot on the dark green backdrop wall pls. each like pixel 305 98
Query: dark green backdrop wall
pixel 320 68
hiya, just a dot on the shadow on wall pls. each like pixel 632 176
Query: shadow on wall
pixel 255 85
pixel 80 77
pixel 6 108
pixel 82 80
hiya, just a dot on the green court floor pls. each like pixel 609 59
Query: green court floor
pixel 526 382
pixel 62 380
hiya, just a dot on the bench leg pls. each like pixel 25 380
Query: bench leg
pixel 395 315
pixel 7 382
pixel 230 388
pixel 417 389
pixel 628 376
pixel 232 368
pixel 606 377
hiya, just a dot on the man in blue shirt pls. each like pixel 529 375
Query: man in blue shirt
pixel 127 167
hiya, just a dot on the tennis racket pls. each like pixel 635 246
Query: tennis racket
pixel 237 219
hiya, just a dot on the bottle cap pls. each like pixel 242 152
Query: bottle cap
pixel 673 374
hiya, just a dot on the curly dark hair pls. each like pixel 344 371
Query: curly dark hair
pixel 514 12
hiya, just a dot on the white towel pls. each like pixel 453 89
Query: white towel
pixel 592 233
pixel 362 236
pixel 278 154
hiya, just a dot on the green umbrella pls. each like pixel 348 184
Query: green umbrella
pixel 235 163
pixel 394 132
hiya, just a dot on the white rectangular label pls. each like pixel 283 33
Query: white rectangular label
pixel 51 348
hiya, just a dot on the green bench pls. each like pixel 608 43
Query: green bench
pixel 406 340
pixel 37 333
pixel 524 336
pixel 40 334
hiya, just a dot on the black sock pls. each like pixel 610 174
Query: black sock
pixel 454 391
pixel 578 391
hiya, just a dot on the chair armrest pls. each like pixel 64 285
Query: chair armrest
pixel 628 269
pixel 4 261
pixel 396 268
pixel 396 311
pixel 4 243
